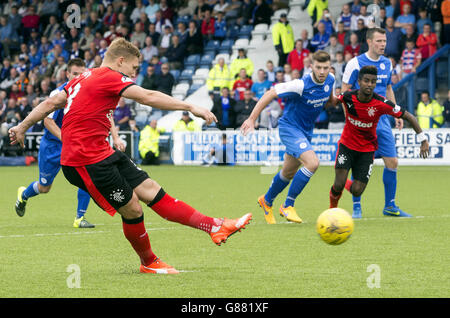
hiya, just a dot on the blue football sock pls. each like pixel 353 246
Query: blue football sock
pixel 356 201
pixel 299 182
pixel 390 186
pixel 83 202
pixel 279 182
pixel 31 191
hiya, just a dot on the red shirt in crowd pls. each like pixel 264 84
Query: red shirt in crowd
pixel 295 58
pixel 240 86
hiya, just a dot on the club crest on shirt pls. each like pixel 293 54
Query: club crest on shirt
pixel 126 79
pixel 382 66
pixel 371 111
pixel 326 88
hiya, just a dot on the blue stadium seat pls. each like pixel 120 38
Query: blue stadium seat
pixel 212 46
pixel 193 88
pixel 191 67
pixel 245 32
pixel 206 60
pixel 233 32
pixel 186 75
pixel 192 60
pixel 226 46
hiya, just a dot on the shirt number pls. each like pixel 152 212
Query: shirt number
pixel 72 93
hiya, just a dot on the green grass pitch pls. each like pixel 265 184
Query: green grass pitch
pixel 281 261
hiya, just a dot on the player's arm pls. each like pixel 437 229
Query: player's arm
pixel 399 112
pixel 424 146
pixel 162 101
pixel 346 87
pixel 332 102
pixel 117 141
pixel 265 100
pixel 391 96
pixel 41 111
pixel 52 127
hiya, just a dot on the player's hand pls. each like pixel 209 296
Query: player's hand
pixel 399 123
pixel 247 126
pixel 119 144
pixel 205 114
pixel 424 149
pixel 16 136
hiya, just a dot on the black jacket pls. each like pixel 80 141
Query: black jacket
pixel 217 111
pixel 165 83
pixel 243 110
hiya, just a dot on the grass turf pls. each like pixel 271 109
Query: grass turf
pixel 282 261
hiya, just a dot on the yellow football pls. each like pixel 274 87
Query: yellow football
pixel 335 226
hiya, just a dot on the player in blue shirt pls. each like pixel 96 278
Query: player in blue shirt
pixel 50 155
pixel 376 40
pixel 304 99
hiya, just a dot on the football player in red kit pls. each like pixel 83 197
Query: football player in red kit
pixel 114 182
pixel 358 142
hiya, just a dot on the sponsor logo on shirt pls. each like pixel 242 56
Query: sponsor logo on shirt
pixel 359 123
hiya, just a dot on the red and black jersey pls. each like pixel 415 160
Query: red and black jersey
pixel 91 99
pixel 361 120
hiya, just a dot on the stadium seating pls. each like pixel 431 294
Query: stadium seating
pixel 276 16
pixel 194 87
pixel 245 32
pixel 225 46
pixel 207 59
pixel 175 74
pixel 233 32
pixel 225 56
pixel 186 76
pixel 192 60
pixel 200 75
pixel 212 46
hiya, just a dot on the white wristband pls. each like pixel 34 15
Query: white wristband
pixel 421 137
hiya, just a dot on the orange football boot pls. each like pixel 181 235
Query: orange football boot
pixel 158 267
pixel 228 228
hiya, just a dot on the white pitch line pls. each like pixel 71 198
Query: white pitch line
pixel 82 232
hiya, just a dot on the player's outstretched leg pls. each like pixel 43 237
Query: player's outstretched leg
pixel 299 182
pixel 83 203
pixel 357 213
pixel 135 232
pixel 390 189
pixel 279 183
pixel 178 211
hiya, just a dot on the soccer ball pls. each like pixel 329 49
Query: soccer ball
pixel 334 226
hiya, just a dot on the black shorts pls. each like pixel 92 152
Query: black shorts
pixel 359 162
pixel 109 182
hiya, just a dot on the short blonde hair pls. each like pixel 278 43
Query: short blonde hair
pixel 121 47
